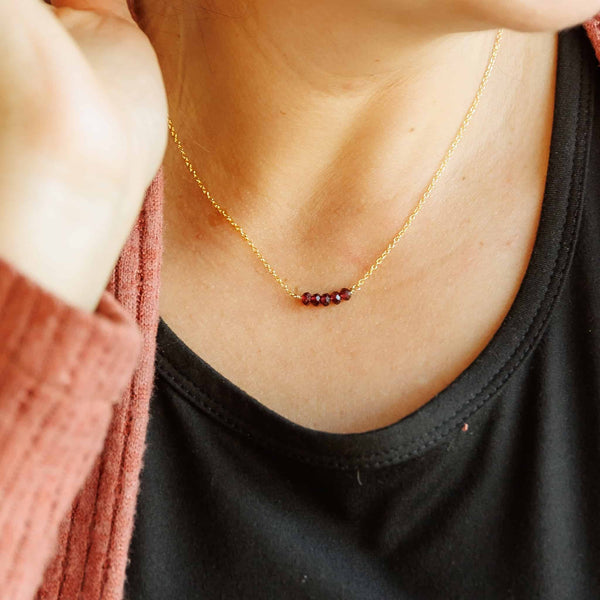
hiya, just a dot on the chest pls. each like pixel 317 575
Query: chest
pixel 419 322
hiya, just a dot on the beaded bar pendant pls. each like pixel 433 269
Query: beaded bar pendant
pixel 309 299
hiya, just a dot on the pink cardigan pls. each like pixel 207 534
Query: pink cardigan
pixel 74 396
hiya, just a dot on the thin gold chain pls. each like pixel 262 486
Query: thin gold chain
pixel 411 217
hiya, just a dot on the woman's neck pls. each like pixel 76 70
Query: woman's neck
pixel 294 111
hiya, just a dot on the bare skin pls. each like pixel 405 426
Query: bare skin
pixel 83 132
pixel 321 162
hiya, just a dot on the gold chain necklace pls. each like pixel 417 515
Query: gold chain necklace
pixel 309 299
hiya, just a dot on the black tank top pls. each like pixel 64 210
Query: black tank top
pixel 491 490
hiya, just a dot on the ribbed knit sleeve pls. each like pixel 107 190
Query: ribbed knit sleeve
pixel 593 30
pixel 61 371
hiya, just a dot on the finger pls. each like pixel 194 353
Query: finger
pixel 116 8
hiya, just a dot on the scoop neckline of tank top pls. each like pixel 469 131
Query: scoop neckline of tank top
pixel 202 386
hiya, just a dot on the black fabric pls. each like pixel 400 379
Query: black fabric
pixel 237 502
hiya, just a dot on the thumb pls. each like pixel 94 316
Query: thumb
pixel 115 8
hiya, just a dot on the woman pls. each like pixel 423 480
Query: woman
pixel 436 436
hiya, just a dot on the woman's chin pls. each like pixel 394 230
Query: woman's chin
pixel 530 15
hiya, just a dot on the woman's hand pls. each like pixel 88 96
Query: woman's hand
pixel 84 129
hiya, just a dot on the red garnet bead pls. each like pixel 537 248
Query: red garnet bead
pixel 335 297
pixel 306 298
pixel 315 299
pixel 325 299
pixel 345 294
